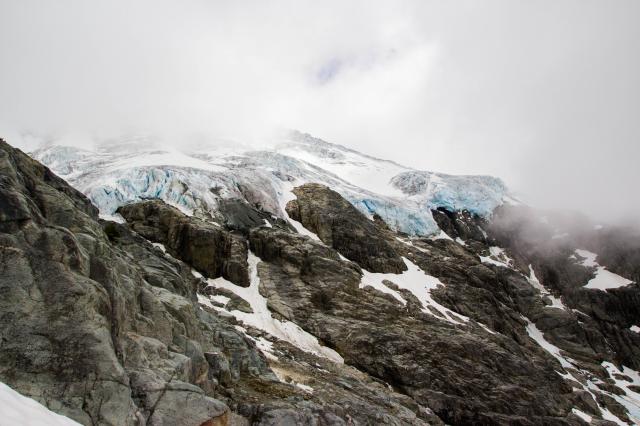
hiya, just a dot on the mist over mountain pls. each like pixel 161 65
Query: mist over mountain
pixel 543 96
pixel 314 214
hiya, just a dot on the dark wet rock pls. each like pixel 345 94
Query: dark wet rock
pixel 103 327
pixel 456 373
pixel 500 297
pixel 99 324
pixel 460 224
pixel 211 250
pixel 238 215
pixel 604 316
pixel 82 329
pixel 341 226
pixel 235 302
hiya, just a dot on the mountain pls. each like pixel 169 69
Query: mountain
pixel 306 284
pixel 130 170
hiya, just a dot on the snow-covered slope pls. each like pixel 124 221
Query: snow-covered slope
pixel 131 170
pixel 16 409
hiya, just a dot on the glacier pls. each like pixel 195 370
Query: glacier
pixel 477 194
pixel 195 181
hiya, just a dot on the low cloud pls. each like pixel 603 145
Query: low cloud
pixel 544 95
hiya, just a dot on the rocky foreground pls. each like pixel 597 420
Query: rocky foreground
pixel 171 319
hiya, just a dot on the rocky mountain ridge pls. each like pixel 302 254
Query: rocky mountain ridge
pixel 320 315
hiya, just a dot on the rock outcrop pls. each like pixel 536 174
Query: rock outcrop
pixel 341 226
pixel 82 328
pixel 173 319
pixel 594 324
pixel 210 249
pixel 102 326
pixel 465 374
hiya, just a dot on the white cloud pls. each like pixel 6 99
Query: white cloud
pixel 546 96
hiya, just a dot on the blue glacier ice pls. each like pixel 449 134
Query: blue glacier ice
pixel 195 182
pixel 477 194
pixel 405 218
pixel 140 184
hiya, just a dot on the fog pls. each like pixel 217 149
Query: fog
pixel 545 95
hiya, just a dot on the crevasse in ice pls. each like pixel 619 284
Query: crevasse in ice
pixel 118 174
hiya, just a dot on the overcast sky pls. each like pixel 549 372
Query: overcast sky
pixel 545 94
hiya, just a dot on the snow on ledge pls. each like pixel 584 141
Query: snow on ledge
pixel 261 317
pixel 630 399
pixel 537 335
pixel 603 279
pixel 498 257
pixel 441 236
pixel 17 409
pixel 285 195
pixel 567 363
pixel 417 282
pixel 535 283
pixel 584 416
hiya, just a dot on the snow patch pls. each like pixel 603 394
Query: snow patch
pixel 409 243
pixel 484 233
pixel 537 335
pixel 115 217
pixel 460 241
pixel 204 300
pixel 305 388
pixel 263 345
pixel 417 282
pixel 485 328
pixel 584 416
pixel 261 317
pixel 441 236
pixel 498 257
pixel 535 283
pixel 589 258
pixel 160 246
pixel 566 363
pixel 631 399
pixel 223 300
pixel 603 279
pixel 556 303
pixel 285 195
pixel 17 409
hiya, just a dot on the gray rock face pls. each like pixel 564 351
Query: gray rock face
pixel 238 215
pixel 82 329
pixel 605 315
pixel 494 295
pixel 464 376
pixel 341 226
pixel 101 326
pixel 463 224
pixel 210 249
